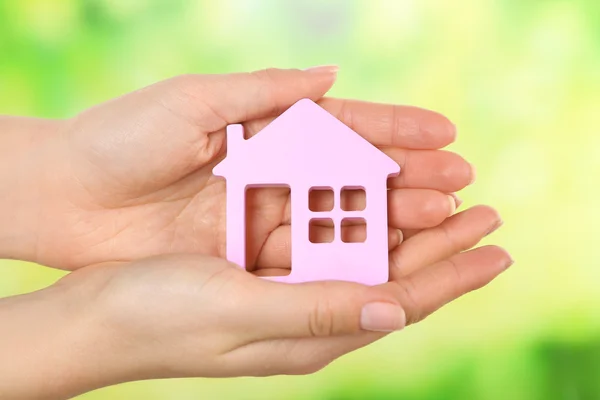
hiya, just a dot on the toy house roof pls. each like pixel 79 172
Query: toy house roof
pixel 305 135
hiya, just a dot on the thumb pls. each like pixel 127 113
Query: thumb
pixel 153 137
pixel 319 309
pixel 214 101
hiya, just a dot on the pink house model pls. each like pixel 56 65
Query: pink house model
pixel 307 149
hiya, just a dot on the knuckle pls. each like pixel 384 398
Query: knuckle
pixel 408 299
pixel 271 73
pixel 345 114
pixel 396 260
pixel 457 277
pixel 267 88
pixel 452 244
pixel 184 83
pixel 398 126
pixel 321 320
pixel 267 75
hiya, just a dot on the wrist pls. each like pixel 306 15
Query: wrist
pixel 24 162
pixel 54 346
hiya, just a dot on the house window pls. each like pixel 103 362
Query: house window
pixel 354 230
pixel 347 223
pixel 320 199
pixel 353 199
pixel 321 230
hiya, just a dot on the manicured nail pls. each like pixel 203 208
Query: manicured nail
pixel 452 203
pixel 509 263
pixel 400 236
pixel 457 200
pixel 382 317
pixel 323 69
pixel 473 174
pixel 497 224
pixel 454 131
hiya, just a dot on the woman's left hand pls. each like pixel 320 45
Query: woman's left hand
pixel 199 316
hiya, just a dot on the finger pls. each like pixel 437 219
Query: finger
pixel 263 215
pixel 393 125
pixel 387 124
pixel 460 232
pixel 219 100
pixel 157 135
pixel 408 233
pixel 319 309
pixel 457 200
pixel 430 169
pixel 276 251
pixel 407 208
pixel 420 295
pixel 418 208
pixel 426 290
pixel 422 169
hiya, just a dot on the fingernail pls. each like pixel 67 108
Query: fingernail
pixel 323 69
pixel 495 227
pixel 454 131
pixel 452 203
pixel 473 174
pixel 457 200
pixel 509 263
pixel 382 317
pixel 400 236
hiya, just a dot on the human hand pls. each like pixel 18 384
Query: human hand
pixel 200 316
pixel 132 178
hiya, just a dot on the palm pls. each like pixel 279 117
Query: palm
pixel 186 215
pixel 189 317
pixel 138 178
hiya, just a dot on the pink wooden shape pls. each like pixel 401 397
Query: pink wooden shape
pixel 306 148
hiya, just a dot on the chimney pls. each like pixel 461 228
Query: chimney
pixel 235 136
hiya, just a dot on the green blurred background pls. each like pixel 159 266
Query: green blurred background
pixel 521 79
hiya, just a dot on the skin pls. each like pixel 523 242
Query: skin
pixel 132 178
pixel 123 195
pixel 199 316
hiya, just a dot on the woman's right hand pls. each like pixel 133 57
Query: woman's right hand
pixel 132 178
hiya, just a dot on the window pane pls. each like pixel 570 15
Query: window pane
pixel 321 230
pixel 320 199
pixel 255 197
pixel 354 230
pixel 353 198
